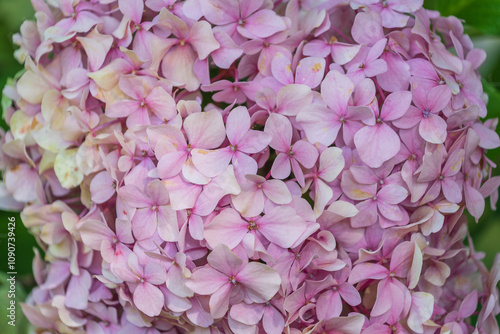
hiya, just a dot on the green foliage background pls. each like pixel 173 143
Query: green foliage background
pixel 481 22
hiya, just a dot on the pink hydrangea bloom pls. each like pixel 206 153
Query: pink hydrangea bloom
pixel 251 166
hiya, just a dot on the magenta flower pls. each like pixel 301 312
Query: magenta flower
pixel 146 101
pixel 203 131
pixel 341 53
pixel 251 200
pixel 392 11
pixel 322 124
pixel 381 203
pixel 242 142
pixel 227 274
pixel 431 126
pixel 309 71
pixel 289 156
pixel 190 46
pixel 152 211
pixel 443 177
pixel 228 228
pixel 378 143
pixel 144 280
pixel 242 19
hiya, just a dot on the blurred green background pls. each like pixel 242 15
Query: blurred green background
pixel 481 22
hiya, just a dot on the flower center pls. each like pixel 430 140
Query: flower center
pixel 379 120
pixel 154 208
pixel 426 113
pixel 233 147
pixel 232 279
pixel 252 226
pixel 241 23
pixel 333 40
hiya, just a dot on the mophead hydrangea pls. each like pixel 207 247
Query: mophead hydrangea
pixel 251 166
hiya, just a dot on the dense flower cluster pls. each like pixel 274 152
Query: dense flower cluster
pixel 251 166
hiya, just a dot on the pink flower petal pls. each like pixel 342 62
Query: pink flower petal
pixel 454 163
pixel 171 164
pixel 354 190
pixel 211 162
pixel 320 124
pixel 422 307
pixel 144 223
pixel 273 321
pixel 329 305
pixel 396 105
pixel 310 71
pixel 305 153
pixel 226 228
pixel 237 124
pixel 254 142
pixel 292 99
pixel 364 271
pixel 367 215
pixel 392 194
pixel 451 190
pixel 281 167
pixel 263 23
pixel 205 281
pixel 219 301
pixel 102 187
pixel 93 232
pixel 161 103
pixel 205 129
pixel 377 144
pixel 148 299
pixel 132 9
pixel 277 191
pixel 282 226
pixel 281 68
pixel 202 39
pixel 438 98
pixel 260 281
pixel 336 89
pixel 433 129
pixel 331 163
pixel 390 211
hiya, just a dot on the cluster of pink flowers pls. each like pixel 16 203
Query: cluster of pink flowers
pixel 251 166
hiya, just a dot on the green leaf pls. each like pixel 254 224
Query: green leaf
pixel 493 99
pixel 481 15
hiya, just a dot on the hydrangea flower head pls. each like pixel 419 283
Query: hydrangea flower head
pixel 251 166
